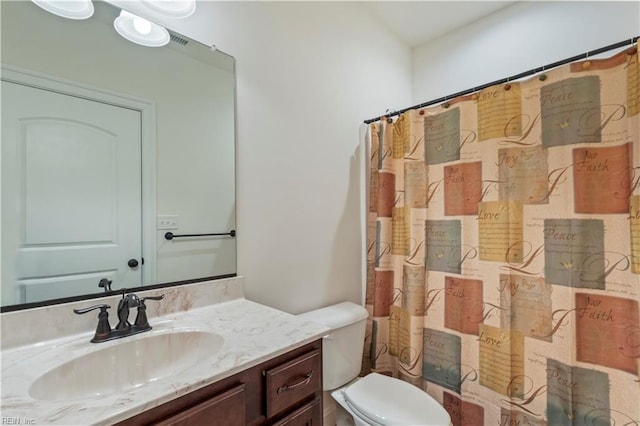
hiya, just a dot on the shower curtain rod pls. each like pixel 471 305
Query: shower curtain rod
pixel 508 79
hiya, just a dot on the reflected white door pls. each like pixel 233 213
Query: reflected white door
pixel 71 194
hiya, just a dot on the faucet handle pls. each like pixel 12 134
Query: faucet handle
pixel 142 299
pixel 103 330
pixel 103 308
pixel 141 318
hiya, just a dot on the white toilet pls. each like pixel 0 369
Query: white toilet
pixel 373 400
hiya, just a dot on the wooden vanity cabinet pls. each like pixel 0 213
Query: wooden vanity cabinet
pixel 285 390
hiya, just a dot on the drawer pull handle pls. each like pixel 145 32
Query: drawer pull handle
pixel 305 381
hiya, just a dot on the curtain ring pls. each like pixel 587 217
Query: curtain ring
pixel 542 76
pixel 474 96
pixel 587 63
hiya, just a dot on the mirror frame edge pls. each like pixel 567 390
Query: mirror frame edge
pixel 51 302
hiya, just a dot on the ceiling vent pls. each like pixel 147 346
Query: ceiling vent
pixel 178 39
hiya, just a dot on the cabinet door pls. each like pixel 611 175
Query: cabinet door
pixel 225 409
pixel 307 415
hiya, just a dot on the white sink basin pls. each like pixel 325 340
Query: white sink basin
pixel 125 365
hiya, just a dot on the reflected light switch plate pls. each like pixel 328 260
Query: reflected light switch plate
pixel 168 222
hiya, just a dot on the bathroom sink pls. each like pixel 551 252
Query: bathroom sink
pixel 126 365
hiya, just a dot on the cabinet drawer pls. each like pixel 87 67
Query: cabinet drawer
pixel 226 409
pixel 307 415
pixel 291 382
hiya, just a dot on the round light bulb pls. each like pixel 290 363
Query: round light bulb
pixel 172 8
pixel 141 25
pixel 139 30
pixel 71 9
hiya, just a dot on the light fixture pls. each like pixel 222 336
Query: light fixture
pixel 140 31
pixel 172 8
pixel 71 9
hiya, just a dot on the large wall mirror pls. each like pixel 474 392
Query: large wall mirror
pixel 106 147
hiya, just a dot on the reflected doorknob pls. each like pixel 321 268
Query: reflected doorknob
pixel 132 263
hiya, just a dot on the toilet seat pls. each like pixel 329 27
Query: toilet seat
pixel 382 401
pixel 356 412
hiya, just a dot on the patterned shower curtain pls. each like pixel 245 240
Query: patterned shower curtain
pixel 504 249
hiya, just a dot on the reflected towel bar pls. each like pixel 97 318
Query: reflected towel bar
pixel 171 235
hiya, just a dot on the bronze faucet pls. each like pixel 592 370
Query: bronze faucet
pixel 124 327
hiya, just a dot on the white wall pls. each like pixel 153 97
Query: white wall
pixel 307 75
pixel 520 37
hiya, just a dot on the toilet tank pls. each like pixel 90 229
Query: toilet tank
pixel 342 348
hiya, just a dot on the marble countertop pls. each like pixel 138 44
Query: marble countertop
pixel 252 333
